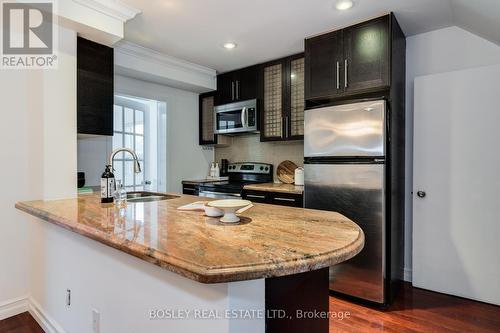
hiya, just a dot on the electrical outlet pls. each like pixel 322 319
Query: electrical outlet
pixel 96 321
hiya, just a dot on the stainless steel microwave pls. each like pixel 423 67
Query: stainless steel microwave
pixel 236 118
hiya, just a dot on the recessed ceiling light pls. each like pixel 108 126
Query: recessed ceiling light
pixel 344 4
pixel 229 45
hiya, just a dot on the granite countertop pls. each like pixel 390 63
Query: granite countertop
pixel 276 187
pixel 269 241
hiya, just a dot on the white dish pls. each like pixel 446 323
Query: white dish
pixel 213 212
pixel 229 206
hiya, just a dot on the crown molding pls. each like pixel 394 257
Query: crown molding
pixel 113 8
pixel 150 55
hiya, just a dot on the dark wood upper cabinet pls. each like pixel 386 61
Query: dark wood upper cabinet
pixel 282 99
pixel 246 83
pixel 95 88
pixel 323 58
pixel 351 61
pixel 225 89
pixel 237 86
pixel 366 54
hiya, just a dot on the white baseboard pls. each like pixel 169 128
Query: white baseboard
pixel 48 324
pixel 13 307
pixel 408 274
pixel 19 305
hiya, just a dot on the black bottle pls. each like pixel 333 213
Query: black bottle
pixel 107 185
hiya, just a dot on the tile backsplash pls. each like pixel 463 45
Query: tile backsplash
pixel 248 148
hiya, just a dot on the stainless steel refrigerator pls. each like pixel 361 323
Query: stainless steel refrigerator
pixel 346 170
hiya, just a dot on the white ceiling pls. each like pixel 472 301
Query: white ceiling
pixel 195 30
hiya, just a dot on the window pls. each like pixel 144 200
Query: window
pixel 129 124
pixel 141 125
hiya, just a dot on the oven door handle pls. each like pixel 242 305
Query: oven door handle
pixel 220 193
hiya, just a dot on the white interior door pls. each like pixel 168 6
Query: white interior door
pixel 456 226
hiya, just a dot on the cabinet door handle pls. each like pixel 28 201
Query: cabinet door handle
pixel 256 196
pixel 286 127
pixel 338 75
pixel 284 199
pixel 345 73
pixel 232 90
pixel 237 89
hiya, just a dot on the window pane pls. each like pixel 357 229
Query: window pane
pixel 139 177
pixel 118 143
pixel 139 122
pixel 129 120
pixel 118 165
pixel 118 118
pixel 139 146
pixel 129 173
pixel 129 143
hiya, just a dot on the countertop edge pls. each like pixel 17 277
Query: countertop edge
pixel 210 276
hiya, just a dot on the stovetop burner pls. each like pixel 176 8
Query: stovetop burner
pixel 240 174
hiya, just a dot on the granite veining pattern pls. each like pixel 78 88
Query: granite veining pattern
pixel 269 241
pixel 276 187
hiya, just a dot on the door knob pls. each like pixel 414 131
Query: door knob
pixel 421 194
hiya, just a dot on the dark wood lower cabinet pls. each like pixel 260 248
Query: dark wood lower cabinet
pixel 298 303
pixel 190 189
pixel 274 198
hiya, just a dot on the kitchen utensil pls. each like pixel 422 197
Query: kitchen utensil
pixel 244 209
pixel 286 171
pixel 81 179
pixel 299 176
pixel 229 206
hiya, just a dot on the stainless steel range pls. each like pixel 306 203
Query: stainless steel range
pixel 239 174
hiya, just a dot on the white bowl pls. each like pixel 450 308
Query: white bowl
pixel 229 206
pixel 213 212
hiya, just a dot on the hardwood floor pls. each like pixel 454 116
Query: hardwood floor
pixel 417 310
pixel 22 323
pixel 414 311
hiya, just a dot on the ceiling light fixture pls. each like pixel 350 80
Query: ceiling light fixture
pixel 229 45
pixel 344 4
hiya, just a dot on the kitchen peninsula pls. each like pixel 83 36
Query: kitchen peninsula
pixel 284 251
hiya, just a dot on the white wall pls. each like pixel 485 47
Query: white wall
pixel 93 153
pixel 38 130
pixel 435 52
pixel 124 289
pixel 185 158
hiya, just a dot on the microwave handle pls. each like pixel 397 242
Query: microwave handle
pixel 244 117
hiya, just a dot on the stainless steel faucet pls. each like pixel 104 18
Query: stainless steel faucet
pixel 137 166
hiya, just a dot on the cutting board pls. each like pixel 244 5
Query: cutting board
pixel 286 171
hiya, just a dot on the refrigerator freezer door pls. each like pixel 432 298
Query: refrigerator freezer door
pixel 357 192
pixel 349 130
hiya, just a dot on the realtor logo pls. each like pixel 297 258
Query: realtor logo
pixel 28 35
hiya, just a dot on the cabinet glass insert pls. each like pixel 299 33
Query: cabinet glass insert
pixel 273 125
pixel 207 108
pixel 297 97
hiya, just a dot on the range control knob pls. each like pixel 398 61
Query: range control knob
pixel 261 168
